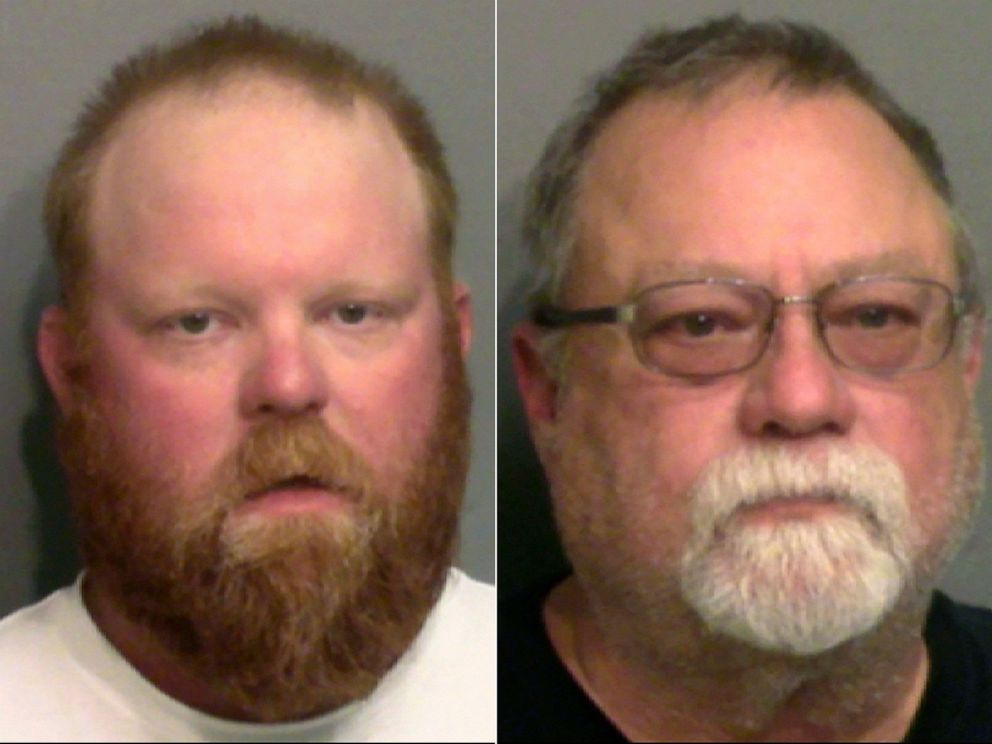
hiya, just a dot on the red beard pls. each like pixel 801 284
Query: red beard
pixel 286 617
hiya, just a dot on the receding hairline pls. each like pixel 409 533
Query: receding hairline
pixel 250 91
pixel 205 56
pixel 250 86
pixel 757 81
pixel 151 137
pixel 247 87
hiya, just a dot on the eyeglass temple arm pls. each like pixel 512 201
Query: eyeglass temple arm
pixel 548 316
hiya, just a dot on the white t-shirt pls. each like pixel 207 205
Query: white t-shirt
pixel 61 680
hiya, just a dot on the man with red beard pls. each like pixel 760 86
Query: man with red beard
pixel 749 374
pixel 258 360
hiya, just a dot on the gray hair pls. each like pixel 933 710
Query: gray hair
pixel 696 62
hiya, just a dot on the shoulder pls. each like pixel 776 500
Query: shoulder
pixel 538 698
pixel 31 637
pixel 462 632
pixel 967 624
pixel 527 660
pixel 464 597
pixel 957 701
pixel 521 631
pixel 463 621
pixel 444 688
pixel 45 691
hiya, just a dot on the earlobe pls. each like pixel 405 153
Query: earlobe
pixel 537 384
pixel 57 355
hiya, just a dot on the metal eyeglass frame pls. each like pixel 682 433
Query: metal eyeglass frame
pixel 551 317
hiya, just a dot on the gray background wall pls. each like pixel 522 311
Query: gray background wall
pixel 934 55
pixel 52 54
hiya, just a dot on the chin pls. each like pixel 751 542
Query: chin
pixel 796 588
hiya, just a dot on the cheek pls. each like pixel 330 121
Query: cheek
pixel 631 455
pixel 182 416
pixel 386 408
pixel 921 428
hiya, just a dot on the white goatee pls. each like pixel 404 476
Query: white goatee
pixel 804 586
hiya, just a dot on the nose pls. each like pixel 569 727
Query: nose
pixel 796 390
pixel 285 377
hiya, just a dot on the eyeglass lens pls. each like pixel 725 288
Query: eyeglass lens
pixel 710 328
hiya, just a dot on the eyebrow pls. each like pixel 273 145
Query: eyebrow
pixel 888 261
pixel 162 297
pixel 664 270
pixel 893 260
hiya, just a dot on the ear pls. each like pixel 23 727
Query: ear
pixel 537 384
pixel 58 355
pixel 973 353
pixel 462 299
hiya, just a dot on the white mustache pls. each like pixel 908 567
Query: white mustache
pixel 860 476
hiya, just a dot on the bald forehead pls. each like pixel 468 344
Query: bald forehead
pixel 254 137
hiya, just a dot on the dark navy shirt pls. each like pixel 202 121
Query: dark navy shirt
pixel 539 700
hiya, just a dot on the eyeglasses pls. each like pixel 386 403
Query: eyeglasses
pixel 709 327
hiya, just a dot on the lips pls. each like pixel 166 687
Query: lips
pixel 804 506
pixel 294 483
pixel 799 498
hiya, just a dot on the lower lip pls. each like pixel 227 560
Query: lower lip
pixel 286 501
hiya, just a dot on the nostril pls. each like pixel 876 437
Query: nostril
pixel 283 408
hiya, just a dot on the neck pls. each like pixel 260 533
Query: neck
pixel 146 652
pixel 720 690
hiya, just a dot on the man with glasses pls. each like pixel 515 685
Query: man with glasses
pixel 749 373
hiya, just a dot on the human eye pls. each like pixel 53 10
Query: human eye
pixel 876 316
pixel 702 323
pixel 195 324
pixel 357 314
pixel 352 313
pixel 886 306
pixel 694 324
pixel 879 317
